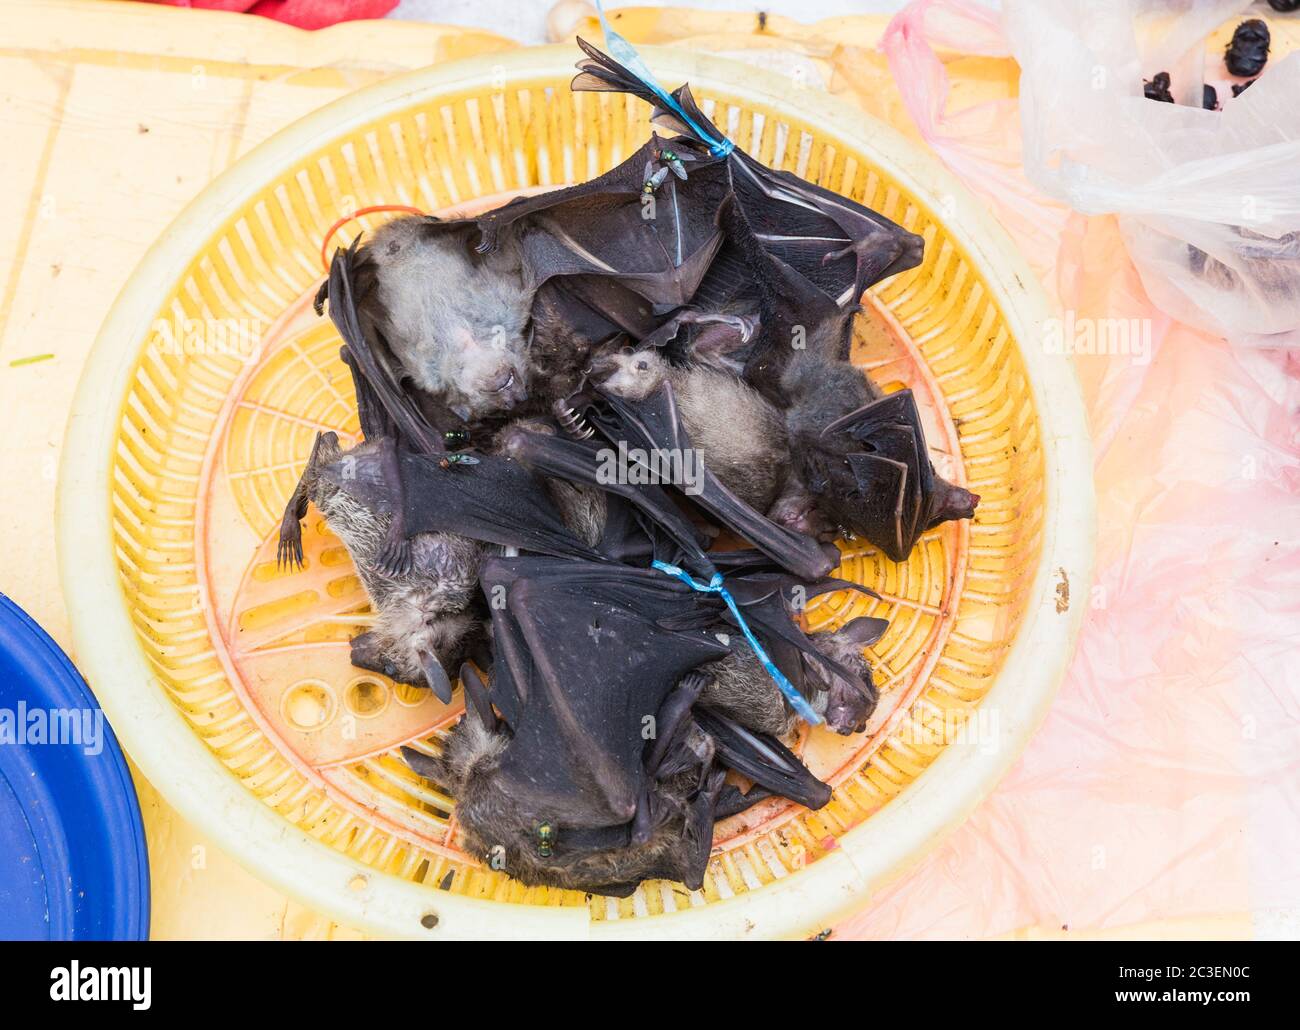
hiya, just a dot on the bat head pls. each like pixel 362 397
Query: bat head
pixel 454 318
pixel 948 502
pixel 850 691
pixel 630 373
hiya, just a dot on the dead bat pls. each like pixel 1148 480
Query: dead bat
pixel 862 456
pixel 450 506
pixel 738 433
pixel 795 258
pixel 426 617
pixel 618 701
pixel 643 245
pixel 640 523
pixel 439 318
pixel 648 436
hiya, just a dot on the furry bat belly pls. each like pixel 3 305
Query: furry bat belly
pixel 436 513
pixel 606 764
pixel 426 617
pixel 737 433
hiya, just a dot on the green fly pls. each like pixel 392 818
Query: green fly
pixel 653 179
pixel 674 161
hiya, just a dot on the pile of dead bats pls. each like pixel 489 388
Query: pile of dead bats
pixel 610 434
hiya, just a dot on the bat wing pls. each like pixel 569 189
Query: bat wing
pixel 582 461
pixel 763 759
pixel 497 500
pixel 385 407
pixel 585 646
pixel 800 253
pixel 599 250
pixel 879 480
pixel 655 424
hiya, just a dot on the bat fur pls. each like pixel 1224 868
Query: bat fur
pixel 455 320
pixel 740 436
pixel 425 618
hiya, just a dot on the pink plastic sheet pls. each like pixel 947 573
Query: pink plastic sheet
pixel 1165 784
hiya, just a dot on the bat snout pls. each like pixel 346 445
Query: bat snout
pixel 604 365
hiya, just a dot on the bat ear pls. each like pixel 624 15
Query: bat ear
pixel 864 630
pixel 425 765
pixel 436 676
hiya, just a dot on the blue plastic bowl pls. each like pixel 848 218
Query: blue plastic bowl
pixel 73 862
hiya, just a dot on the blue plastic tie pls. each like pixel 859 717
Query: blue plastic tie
pixel 714 586
pixel 626 55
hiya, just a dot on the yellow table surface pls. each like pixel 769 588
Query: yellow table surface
pixel 115 115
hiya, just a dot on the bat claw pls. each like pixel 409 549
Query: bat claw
pixel 288 551
pixel 395 557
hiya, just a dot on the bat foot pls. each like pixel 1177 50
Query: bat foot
pixel 697 835
pixel 288 552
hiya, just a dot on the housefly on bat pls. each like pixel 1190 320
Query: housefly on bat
pixel 653 179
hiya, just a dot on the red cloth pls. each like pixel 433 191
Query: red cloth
pixel 305 14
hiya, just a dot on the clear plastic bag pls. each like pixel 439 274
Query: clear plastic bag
pixel 1161 797
pixel 1208 201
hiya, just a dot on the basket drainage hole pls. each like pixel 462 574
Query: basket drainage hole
pixel 366 698
pixel 428 920
pixel 308 706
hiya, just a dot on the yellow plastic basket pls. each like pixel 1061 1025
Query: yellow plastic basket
pixel 229 683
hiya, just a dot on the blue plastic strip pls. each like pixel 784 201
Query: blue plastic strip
pixel 714 586
pixel 626 55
